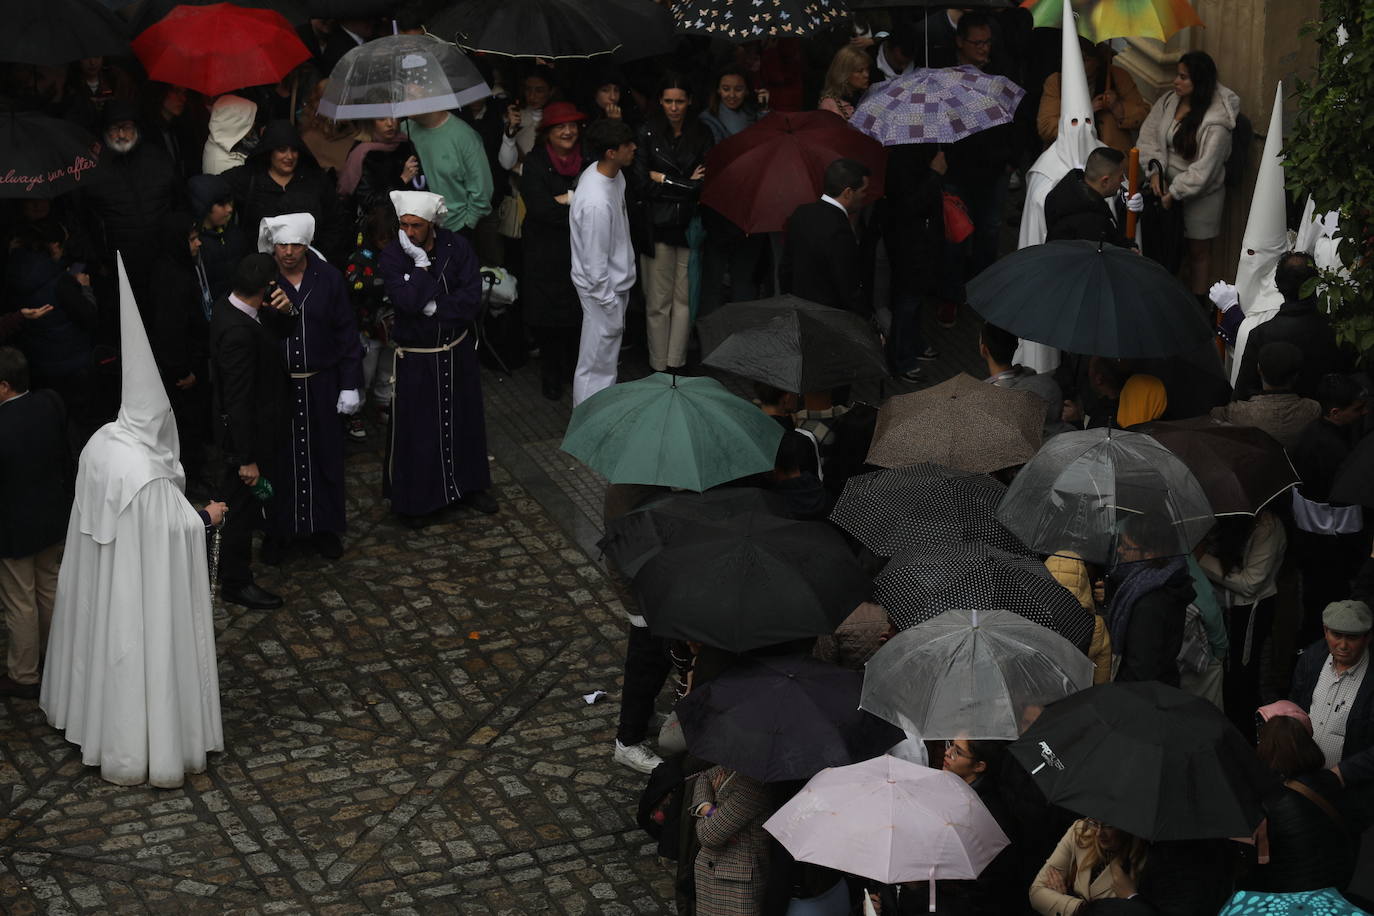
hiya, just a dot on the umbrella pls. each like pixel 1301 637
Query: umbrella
pixel 1088 297
pixel 960 423
pixel 400 75
pixel 936 105
pixel 1325 902
pixel 1149 759
pixel 1241 469
pixel 44 157
pixel 639 535
pixel 151 11
pixel 1099 20
pixel 759 176
pixel 923 507
pixel 792 344
pixel 557 29
pixel 762 581
pixel 971 674
pixel 218 48
pixel 929 4
pixel 58 31
pixel 751 20
pixel 916 586
pixel 891 821
pixel 779 719
pixel 672 431
pixel 1354 483
pixel 1107 495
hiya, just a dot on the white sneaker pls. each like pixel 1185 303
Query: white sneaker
pixel 637 757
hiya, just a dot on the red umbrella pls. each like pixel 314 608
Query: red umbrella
pixel 759 176
pixel 218 48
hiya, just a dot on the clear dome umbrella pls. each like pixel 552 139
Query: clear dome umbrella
pixel 400 75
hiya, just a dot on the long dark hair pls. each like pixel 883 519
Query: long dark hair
pixel 713 104
pixel 1202 71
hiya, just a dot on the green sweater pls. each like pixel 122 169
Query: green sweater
pixel 455 165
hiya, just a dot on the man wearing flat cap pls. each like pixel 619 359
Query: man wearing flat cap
pixel 1331 681
pixel 437 445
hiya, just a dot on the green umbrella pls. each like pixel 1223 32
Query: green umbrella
pixel 672 431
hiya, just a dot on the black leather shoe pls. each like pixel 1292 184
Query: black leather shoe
pixel 482 501
pixel 253 597
pixel 274 550
pixel 327 544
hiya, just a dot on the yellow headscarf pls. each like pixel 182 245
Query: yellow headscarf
pixel 1142 399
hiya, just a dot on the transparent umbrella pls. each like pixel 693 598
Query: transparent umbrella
pixel 400 75
pixel 971 674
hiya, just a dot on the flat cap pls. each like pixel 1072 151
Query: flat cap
pixel 1348 616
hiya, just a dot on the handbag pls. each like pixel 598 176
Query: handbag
pixel 958 224
pixel 1161 230
pixel 510 215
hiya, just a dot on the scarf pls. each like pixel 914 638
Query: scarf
pixel 569 166
pixel 1136 581
pixel 352 172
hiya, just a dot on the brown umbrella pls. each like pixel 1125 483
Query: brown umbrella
pixel 960 423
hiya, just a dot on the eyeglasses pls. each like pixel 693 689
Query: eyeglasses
pixel 953 751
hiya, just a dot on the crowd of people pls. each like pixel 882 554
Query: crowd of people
pixel 291 272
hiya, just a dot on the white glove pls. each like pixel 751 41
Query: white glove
pixel 1135 203
pixel 430 308
pixel 349 402
pixel 417 254
pixel 1223 295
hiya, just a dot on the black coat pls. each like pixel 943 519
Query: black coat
pixel 1321 450
pixel 381 174
pixel 820 258
pixel 1357 754
pixel 667 207
pixel 135 190
pixel 35 474
pixel 1307 849
pixel 1075 211
pixel 1298 323
pixel 178 331
pixel 252 387
pixel 913 217
pixel 310 190
pixel 547 293
pixel 1154 635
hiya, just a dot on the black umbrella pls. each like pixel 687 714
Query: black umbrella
pixel 923 507
pixel 638 536
pixel 59 31
pixel 1093 298
pixel 556 29
pixel 44 157
pixel 1354 483
pixel 780 719
pixel 1149 759
pixel 153 11
pixel 915 587
pixel 792 344
pixel 930 4
pixel 1241 469
pixel 752 20
pixel 757 583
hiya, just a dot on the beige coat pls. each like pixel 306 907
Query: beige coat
pixel 1068 858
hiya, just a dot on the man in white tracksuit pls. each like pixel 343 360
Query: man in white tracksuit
pixel 603 260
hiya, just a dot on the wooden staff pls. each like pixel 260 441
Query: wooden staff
pixel 1132 187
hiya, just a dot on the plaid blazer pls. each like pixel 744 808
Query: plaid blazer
pixel 732 866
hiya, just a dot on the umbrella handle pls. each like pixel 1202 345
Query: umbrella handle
pixel 932 888
pixel 1132 186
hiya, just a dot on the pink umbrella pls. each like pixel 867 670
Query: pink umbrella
pixel 890 820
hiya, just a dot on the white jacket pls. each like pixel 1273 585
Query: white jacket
pixel 231 117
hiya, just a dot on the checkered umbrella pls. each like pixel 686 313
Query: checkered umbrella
pixel 750 20
pixel 936 105
pixel 923 507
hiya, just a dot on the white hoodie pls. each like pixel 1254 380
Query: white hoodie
pixel 231 117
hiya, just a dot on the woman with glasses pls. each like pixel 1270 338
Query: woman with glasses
pixel 1093 861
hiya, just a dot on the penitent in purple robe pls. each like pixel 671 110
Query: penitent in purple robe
pixel 437 444
pixel 324 357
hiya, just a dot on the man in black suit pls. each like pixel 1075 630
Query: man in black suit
pixel 253 396
pixel 820 255
pixel 35 501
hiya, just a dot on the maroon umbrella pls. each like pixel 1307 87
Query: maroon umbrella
pixel 1242 469
pixel 759 176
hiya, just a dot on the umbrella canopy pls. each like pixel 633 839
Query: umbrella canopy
pixel 960 423
pixel 752 20
pixel 218 48
pixel 1099 20
pixel 1325 902
pixel 42 157
pixel 1241 469
pixel 58 31
pixel 1354 484
pixel 762 581
pixel 672 431
pixel 556 29
pixel 638 536
pixel 1149 759
pixel 917 586
pixel 891 821
pixel 296 12
pixel 923 507
pixel 1092 298
pixel 399 75
pixel 759 176
pixel 936 105
pixel 792 344
pixel 779 719
pixel 1109 496
pixel 971 674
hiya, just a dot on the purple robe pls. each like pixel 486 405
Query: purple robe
pixel 437 444
pixel 324 357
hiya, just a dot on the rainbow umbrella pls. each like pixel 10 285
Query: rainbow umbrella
pixel 1099 20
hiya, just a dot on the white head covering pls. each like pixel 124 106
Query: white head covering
pixel 1077 134
pixel 287 229
pixel 1266 231
pixel 424 204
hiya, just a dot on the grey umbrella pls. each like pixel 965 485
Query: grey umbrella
pixel 400 75
pixel 1108 495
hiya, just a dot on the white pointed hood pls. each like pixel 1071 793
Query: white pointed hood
pixel 141 444
pixel 1266 230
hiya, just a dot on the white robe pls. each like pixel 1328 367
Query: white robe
pixel 130 672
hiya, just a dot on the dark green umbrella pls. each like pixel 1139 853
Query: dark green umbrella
pixel 672 431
